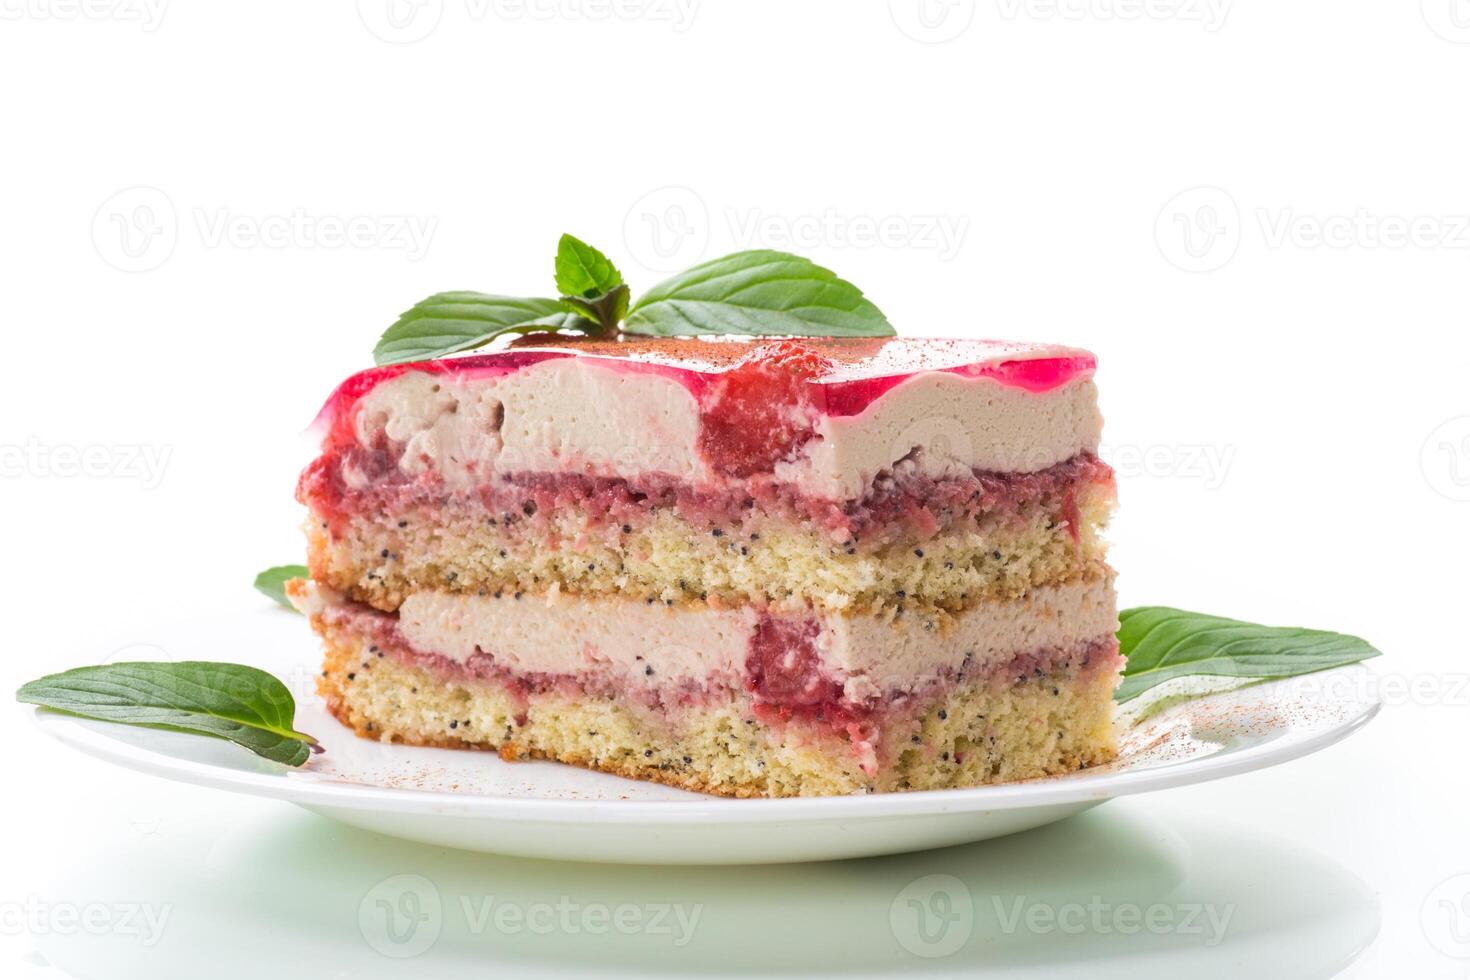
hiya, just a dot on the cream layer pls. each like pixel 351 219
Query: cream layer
pixel 592 416
pixel 644 645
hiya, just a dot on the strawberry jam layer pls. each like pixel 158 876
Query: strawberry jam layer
pixel 901 504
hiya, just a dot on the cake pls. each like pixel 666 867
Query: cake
pixel 747 567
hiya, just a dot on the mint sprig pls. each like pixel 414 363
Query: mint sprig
pixel 591 286
pixel 583 271
pixel 754 293
pixel 242 704
pixel 1162 643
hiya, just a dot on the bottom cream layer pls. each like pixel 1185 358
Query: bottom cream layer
pixel 654 651
pixel 996 726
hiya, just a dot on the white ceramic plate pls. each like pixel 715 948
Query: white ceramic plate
pixel 474 800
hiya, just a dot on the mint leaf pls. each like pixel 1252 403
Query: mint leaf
pixel 449 322
pixel 582 271
pixel 272 582
pixel 231 701
pixel 1163 643
pixel 590 284
pixel 606 311
pixel 761 293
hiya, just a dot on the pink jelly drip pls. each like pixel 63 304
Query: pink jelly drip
pixel 1036 375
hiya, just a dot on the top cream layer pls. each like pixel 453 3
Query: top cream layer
pixel 593 416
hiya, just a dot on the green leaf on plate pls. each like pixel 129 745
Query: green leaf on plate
pixel 272 582
pixel 231 701
pixel 446 323
pixel 582 271
pixel 761 292
pixel 1163 643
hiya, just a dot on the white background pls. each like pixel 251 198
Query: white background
pixel 1256 214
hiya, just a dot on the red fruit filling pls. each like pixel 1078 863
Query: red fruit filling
pixel 759 413
pixel 784 672
pixel 908 506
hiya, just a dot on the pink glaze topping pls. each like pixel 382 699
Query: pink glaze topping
pixel 836 376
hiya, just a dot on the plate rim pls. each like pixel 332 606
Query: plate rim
pixel 89 737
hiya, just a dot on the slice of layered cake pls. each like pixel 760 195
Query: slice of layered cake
pixel 748 567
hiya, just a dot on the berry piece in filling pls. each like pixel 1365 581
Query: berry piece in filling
pixel 759 412
pixel 783 669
